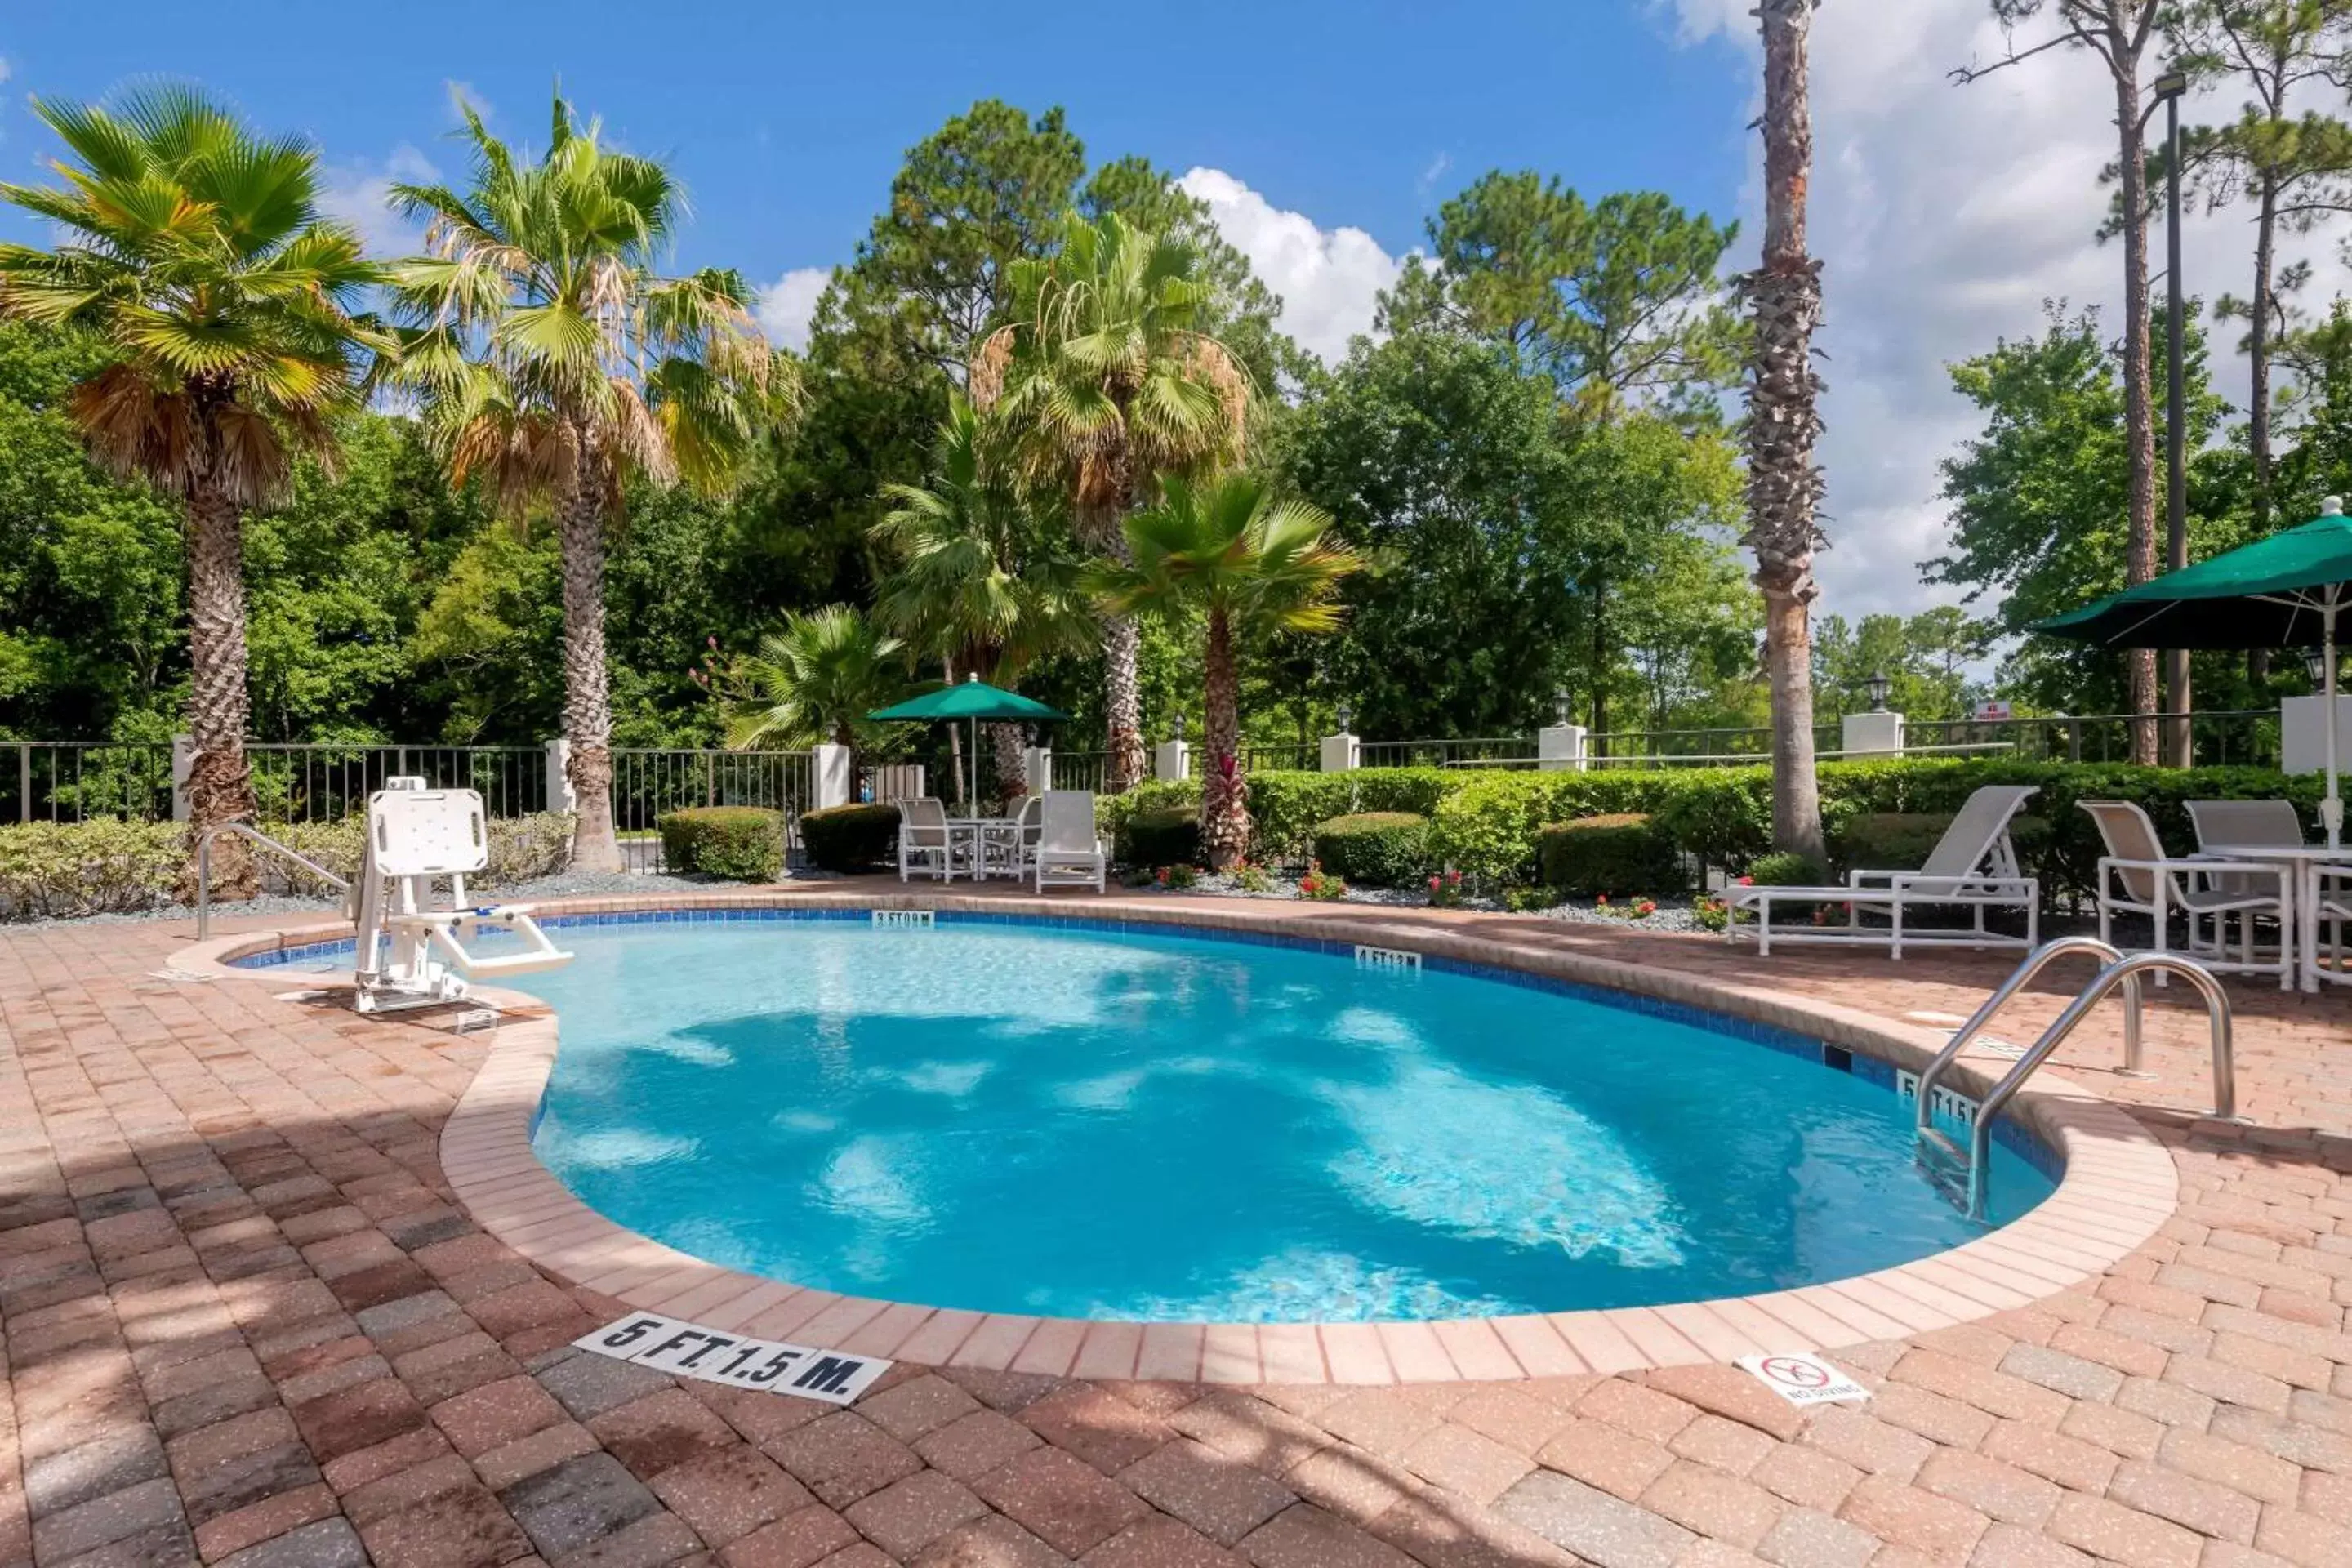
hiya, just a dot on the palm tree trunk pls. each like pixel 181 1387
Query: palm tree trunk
pixel 587 697
pixel 1784 487
pixel 220 789
pixel 2139 421
pixel 1224 792
pixel 1004 742
pixel 1099 529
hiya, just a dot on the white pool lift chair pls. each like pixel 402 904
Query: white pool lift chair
pixel 1068 852
pixel 1973 866
pixel 407 952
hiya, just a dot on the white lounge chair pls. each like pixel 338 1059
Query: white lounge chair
pixel 925 844
pixel 1069 854
pixel 1973 866
pixel 2136 877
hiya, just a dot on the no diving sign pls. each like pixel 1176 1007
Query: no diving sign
pixel 1803 1379
pixel 734 1361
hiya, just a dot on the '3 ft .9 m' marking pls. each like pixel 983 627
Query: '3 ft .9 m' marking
pixel 737 1361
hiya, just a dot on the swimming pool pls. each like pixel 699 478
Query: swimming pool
pixel 1071 1120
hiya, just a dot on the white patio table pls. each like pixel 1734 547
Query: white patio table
pixel 974 836
pixel 2308 860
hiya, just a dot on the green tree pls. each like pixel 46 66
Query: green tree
pixel 2292 167
pixel 197 252
pixel 1108 373
pixel 1447 470
pixel 983 577
pixel 1610 300
pixel 2038 499
pixel 553 359
pixel 2117 35
pixel 815 680
pixel 1248 566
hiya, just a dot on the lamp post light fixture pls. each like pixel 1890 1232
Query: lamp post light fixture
pixel 1345 715
pixel 1180 723
pixel 1879 686
pixel 2315 664
pixel 1559 706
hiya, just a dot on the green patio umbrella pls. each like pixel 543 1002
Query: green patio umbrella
pixel 973 700
pixel 2284 591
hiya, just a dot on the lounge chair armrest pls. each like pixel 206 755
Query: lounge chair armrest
pixel 1860 877
pixel 1919 881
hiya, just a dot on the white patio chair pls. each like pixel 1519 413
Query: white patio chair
pixel 924 842
pixel 1973 866
pixel 1069 854
pixel 2136 877
pixel 2333 913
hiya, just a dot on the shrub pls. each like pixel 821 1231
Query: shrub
pixel 738 843
pixel 1253 878
pixel 1622 852
pixel 1161 836
pixel 54 870
pixel 1322 885
pixel 851 837
pixel 1786 869
pixel 1286 807
pixel 1887 840
pixel 1445 890
pixel 1183 874
pixel 1377 848
pixel 1113 812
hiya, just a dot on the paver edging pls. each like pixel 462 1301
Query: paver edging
pixel 2117 1187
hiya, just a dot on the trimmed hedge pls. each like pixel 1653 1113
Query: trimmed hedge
pixel 60 870
pixel 1621 852
pixel 1375 848
pixel 851 837
pixel 1787 869
pixel 1161 836
pixel 737 843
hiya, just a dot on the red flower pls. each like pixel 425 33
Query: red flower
pixel 1435 882
pixel 1747 882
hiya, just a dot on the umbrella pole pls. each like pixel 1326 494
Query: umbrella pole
pixel 2331 809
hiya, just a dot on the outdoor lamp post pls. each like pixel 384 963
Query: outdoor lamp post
pixel 1559 706
pixel 1345 715
pixel 1879 685
pixel 2315 664
pixel 2170 88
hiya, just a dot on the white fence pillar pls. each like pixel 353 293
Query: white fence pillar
pixel 2303 734
pixel 835 786
pixel 559 776
pixel 184 761
pixel 1170 760
pixel 1037 768
pixel 1341 753
pixel 1559 749
pixel 1877 734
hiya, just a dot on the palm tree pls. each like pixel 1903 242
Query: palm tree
pixel 1250 567
pixel 553 360
pixel 979 580
pixel 1107 371
pixel 194 250
pixel 815 680
pixel 1784 487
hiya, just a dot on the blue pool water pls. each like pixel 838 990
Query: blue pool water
pixel 1101 1123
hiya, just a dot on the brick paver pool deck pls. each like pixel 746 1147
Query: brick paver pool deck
pixel 248 1320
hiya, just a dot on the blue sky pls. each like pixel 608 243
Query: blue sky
pixel 787 121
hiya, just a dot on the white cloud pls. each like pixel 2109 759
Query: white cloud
pixel 360 195
pixel 6 70
pixel 1329 278
pixel 1945 216
pixel 463 96
pixel 785 306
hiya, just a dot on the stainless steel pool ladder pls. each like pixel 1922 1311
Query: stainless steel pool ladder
pixel 204 868
pixel 1943 1158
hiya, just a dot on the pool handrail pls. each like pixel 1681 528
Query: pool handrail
pixel 246 830
pixel 2035 963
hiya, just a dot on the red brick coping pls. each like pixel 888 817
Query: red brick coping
pixel 2117 1187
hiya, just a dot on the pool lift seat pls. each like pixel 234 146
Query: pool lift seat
pixel 409 954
